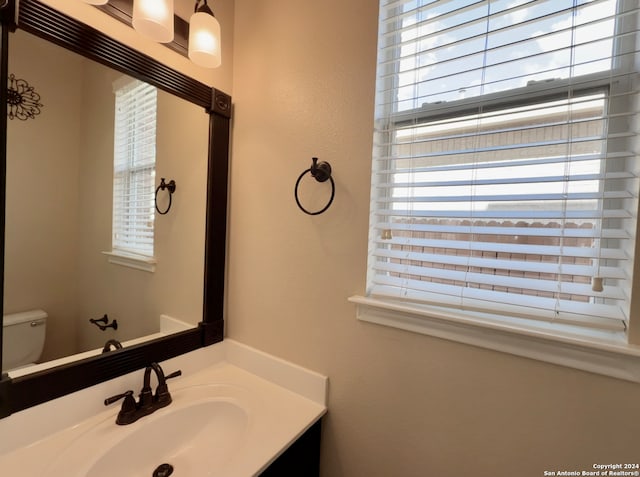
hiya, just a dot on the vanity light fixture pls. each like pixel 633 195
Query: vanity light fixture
pixel 153 19
pixel 204 37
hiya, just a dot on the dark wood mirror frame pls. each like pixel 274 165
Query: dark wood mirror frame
pixel 45 22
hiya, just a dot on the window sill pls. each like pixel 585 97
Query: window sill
pixel 601 352
pixel 139 262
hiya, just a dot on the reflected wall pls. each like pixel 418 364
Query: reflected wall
pixel 59 205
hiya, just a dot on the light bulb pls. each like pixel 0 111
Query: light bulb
pixel 154 19
pixel 204 38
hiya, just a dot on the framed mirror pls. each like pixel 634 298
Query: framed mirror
pixel 113 64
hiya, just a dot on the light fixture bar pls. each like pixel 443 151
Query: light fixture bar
pixel 122 10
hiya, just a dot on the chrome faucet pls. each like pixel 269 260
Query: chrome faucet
pixel 148 402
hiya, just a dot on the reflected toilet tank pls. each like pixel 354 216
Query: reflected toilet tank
pixel 23 338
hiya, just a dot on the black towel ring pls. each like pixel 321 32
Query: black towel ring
pixel 171 187
pixel 320 172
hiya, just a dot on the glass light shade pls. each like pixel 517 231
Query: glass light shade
pixel 96 2
pixel 154 19
pixel 204 40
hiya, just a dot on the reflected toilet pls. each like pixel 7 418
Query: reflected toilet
pixel 23 338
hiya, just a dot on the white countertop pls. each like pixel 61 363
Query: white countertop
pixel 283 399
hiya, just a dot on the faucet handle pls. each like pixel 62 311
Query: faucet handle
pixel 175 374
pixel 163 397
pixel 127 413
pixel 117 397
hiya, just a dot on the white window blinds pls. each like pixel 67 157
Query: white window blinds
pixel 504 177
pixel 134 167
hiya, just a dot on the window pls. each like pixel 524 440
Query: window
pixel 134 168
pixel 504 179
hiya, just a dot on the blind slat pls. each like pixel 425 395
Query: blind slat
pixel 510 265
pixel 502 281
pixel 500 247
pixel 503 228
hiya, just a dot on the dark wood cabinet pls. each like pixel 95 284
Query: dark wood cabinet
pixel 301 459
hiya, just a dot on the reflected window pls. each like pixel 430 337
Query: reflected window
pixel 134 167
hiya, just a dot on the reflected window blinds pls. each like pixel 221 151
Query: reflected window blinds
pixel 134 167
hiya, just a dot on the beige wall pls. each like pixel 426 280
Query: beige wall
pixel 400 404
pixel 43 156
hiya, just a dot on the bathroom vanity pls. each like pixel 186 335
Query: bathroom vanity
pixel 236 412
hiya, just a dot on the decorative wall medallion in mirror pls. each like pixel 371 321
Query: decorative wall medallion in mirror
pixel 179 95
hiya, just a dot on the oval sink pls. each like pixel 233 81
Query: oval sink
pixel 197 433
pixel 176 438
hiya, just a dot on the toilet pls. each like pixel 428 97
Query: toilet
pixel 22 338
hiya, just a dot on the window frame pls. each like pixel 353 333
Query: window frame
pixel 607 352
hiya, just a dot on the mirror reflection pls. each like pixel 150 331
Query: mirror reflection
pixel 71 255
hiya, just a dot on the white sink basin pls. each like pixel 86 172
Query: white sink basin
pixel 234 411
pixel 207 420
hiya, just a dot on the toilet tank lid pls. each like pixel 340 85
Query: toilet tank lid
pixel 22 317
